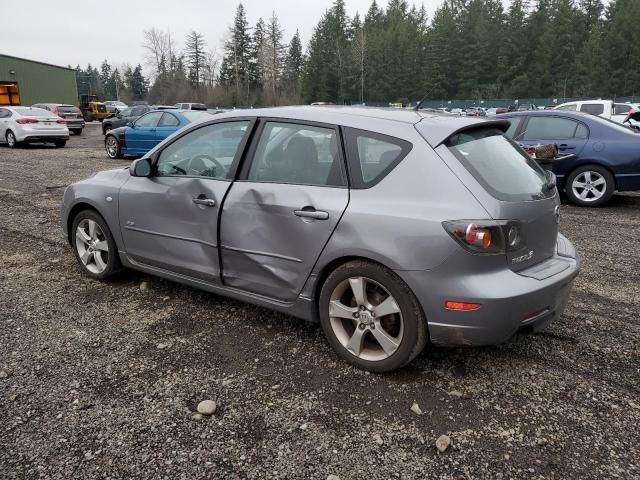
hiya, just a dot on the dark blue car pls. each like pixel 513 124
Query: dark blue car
pixel 606 154
pixel 140 136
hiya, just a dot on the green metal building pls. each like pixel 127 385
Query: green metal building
pixel 25 82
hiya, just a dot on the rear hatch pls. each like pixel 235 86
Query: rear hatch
pixel 69 112
pixel 513 189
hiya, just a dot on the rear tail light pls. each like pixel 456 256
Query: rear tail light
pixel 22 121
pixel 461 306
pixel 486 236
pixel 61 120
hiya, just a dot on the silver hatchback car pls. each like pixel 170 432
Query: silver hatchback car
pixel 392 228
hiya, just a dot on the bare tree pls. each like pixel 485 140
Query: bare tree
pixel 360 53
pixel 159 49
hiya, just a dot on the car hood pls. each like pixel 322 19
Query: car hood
pixel 118 132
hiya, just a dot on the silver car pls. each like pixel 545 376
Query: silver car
pixel 19 125
pixel 390 227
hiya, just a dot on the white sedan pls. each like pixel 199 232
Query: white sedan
pixel 27 124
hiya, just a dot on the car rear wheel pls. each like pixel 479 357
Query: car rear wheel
pixel 94 246
pixel 60 143
pixel 590 186
pixel 113 147
pixel 10 137
pixel 77 131
pixel 371 317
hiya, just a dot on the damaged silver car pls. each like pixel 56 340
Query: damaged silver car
pixel 391 228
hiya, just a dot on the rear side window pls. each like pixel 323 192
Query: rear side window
pixel 621 109
pixel 502 168
pixel 513 128
pixel 372 156
pixel 592 108
pixel 553 128
pixel 168 120
pixel 571 108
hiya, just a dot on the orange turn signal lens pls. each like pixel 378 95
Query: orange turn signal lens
pixel 461 306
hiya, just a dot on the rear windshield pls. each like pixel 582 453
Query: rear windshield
pixel 69 109
pixel 33 112
pixel 195 115
pixel 501 167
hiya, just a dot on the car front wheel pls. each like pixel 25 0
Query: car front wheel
pixel 94 246
pixel 371 317
pixel 590 186
pixel 113 147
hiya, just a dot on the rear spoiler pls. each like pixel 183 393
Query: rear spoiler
pixel 437 129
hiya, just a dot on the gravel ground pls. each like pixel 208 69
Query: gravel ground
pixel 102 380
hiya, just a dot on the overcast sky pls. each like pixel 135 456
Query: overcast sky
pixel 71 33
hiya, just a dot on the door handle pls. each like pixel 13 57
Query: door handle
pixel 207 202
pixel 564 146
pixel 307 212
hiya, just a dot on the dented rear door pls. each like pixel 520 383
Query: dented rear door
pixel 278 218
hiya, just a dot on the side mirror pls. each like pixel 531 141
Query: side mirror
pixel 131 124
pixel 140 168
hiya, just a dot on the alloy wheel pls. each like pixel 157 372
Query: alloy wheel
pixel 112 147
pixel 589 186
pixel 92 246
pixel 366 319
pixel 11 139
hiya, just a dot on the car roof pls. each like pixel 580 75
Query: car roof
pixel 435 127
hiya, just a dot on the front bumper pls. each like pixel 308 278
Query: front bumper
pixel 511 302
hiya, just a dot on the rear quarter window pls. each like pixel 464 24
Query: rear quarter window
pixel 372 155
pixel 498 164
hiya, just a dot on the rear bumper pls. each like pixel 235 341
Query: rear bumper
pixel 510 301
pixel 45 137
pixel 75 124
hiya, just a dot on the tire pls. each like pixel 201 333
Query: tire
pixel 11 140
pixel 112 146
pixel 100 263
pixel 77 131
pixel 590 186
pixel 60 143
pixel 404 323
pixel 101 120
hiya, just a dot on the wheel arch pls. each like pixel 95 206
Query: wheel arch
pixel 589 163
pixel 76 209
pixel 337 262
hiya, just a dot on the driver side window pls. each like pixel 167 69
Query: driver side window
pixel 206 152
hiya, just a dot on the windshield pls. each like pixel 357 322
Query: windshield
pixel 195 115
pixel 499 165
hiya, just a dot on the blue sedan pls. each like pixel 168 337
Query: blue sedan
pixel 606 155
pixel 138 137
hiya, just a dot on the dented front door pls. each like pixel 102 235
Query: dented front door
pixel 273 233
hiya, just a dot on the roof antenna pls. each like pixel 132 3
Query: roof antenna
pixel 419 104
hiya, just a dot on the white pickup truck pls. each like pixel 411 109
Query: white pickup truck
pixel 603 108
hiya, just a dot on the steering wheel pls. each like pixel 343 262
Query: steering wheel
pixel 198 165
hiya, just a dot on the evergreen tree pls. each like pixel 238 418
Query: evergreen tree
pixel 235 69
pixel 194 54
